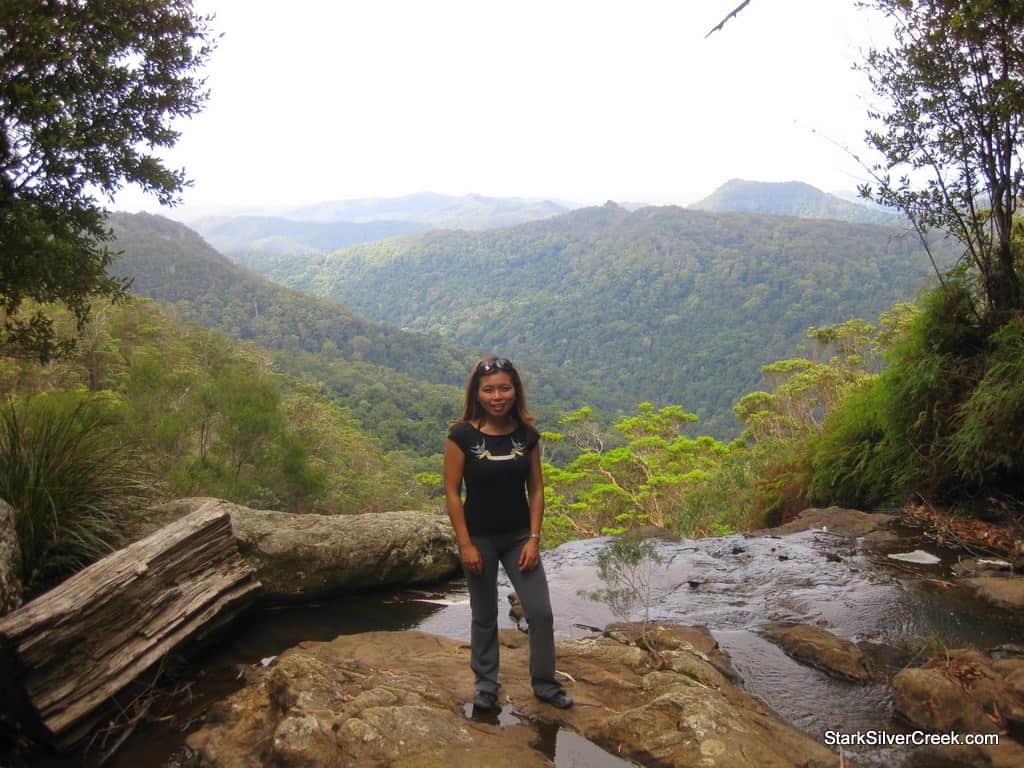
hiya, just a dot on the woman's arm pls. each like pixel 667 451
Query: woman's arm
pixel 454 463
pixel 530 556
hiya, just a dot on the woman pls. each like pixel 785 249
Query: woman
pixel 494 450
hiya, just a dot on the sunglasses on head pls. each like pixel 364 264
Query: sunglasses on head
pixel 497 364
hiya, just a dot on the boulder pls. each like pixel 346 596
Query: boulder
pixel 398 699
pixel 837 520
pixel 1001 591
pixel 958 691
pixel 10 561
pixel 821 649
pixel 298 556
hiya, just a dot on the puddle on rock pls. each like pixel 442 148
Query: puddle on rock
pixel 565 748
pixel 506 717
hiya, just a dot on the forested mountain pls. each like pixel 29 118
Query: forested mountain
pixel 662 304
pixel 279 235
pixel 439 211
pixel 401 386
pixel 793 198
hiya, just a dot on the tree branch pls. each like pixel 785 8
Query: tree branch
pixel 732 14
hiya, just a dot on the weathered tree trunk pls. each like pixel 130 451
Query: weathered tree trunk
pixel 66 654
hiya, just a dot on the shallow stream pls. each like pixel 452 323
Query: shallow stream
pixel 732 585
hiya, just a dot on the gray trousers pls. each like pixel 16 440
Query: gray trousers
pixel 532 587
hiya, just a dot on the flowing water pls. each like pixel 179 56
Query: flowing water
pixel 732 585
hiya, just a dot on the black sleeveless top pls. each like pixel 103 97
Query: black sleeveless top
pixel 495 474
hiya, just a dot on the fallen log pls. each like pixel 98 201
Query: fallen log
pixel 66 654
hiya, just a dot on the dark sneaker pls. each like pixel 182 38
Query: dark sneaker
pixel 484 701
pixel 562 699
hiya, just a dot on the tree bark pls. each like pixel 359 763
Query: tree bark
pixel 66 654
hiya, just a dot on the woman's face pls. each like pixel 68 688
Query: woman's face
pixel 496 393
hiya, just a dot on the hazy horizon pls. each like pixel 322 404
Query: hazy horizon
pixel 574 101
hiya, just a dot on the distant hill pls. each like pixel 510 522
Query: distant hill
pixel 793 198
pixel 662 304
pixel 435 210
pixel 275 235
pixel 327 227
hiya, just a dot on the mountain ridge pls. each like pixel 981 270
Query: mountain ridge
pixel 275 234
pixel 472 211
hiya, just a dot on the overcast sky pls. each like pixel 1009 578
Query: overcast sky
pixel 318 100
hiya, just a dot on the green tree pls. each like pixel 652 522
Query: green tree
pixel 89 91
pixel 953 86
pixel 806 390
pixel 645 481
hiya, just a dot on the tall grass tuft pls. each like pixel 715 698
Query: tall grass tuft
pixel 71 483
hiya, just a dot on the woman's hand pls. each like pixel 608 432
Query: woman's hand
pixel 471 560
pixel 529 557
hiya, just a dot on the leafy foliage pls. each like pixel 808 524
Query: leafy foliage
pixel 943 420
pixel 989 443
pixel 88 91
pixel 807 389
pixel 815 399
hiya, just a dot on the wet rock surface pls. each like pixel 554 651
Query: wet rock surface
pixel 397 698
pixel 821 649
pixel 840 583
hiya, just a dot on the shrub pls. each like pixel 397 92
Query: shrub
pixel 988 445
pixel 781 493
pixel 854 460
pixel 70 482
pixel 945 419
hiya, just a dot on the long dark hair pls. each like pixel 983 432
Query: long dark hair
pixel 473 412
